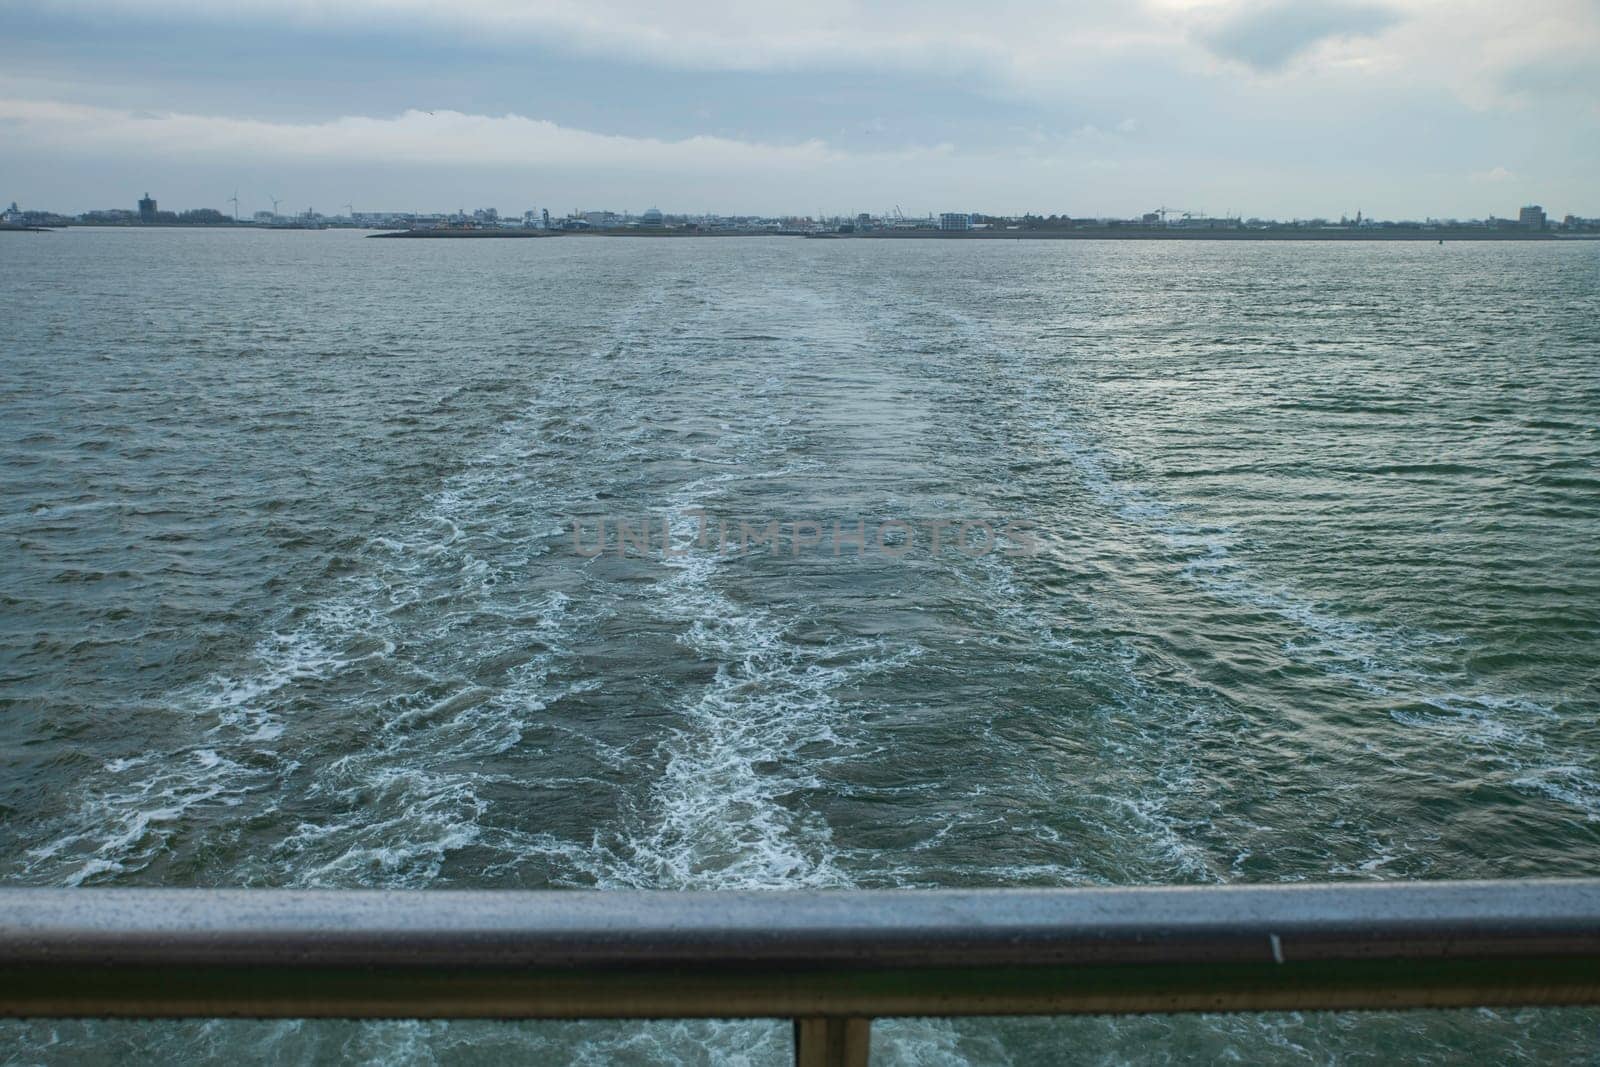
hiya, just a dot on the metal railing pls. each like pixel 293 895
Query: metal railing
pixel 832 961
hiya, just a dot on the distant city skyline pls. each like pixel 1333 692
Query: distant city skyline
pixel 148 209
pixel 1396 108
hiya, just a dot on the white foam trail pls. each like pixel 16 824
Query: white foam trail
pixel 129 815
pixel 720 815
pixel 719 820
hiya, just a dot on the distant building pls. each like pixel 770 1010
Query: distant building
pixel 1207 222
pixel 1531 217
pixel 147 209
pixel 652 217
pixel 955 220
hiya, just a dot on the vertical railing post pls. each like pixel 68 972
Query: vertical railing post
pixel 830 1041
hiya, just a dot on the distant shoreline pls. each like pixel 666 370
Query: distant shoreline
pixel 1095 233
pixel 1119 234
pixel 481 234
pixel 1085 234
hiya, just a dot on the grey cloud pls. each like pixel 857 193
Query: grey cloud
pixel 1578 76
pixel 1267 36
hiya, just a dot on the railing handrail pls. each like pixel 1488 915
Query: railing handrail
pixel 831 960
pixel 1169 925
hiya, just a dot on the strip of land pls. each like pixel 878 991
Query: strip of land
pixel 448 232
pixel 1137 234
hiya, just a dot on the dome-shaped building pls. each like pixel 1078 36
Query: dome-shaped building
pixel 651 217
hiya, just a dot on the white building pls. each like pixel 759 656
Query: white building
pixel 955 220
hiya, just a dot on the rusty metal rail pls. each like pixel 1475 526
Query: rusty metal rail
pixel 832 961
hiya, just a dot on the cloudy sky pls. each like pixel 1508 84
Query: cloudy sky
pixel 1399 108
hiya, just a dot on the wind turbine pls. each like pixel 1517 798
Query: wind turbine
pixel 275 203
pixel 234 200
